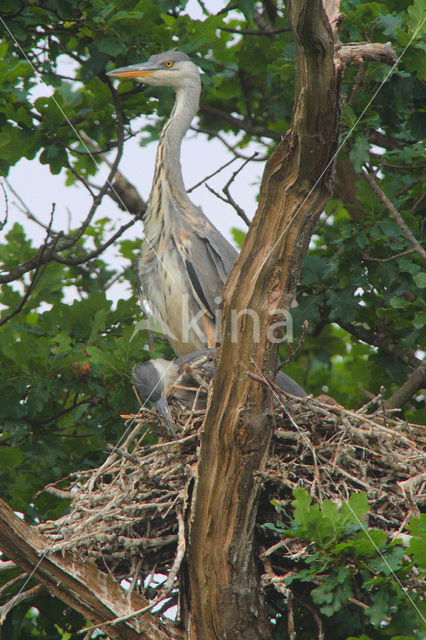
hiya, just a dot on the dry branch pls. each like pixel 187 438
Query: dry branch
pixel 394 213
pixel 415 381
pixel 357 52
pixel 96 595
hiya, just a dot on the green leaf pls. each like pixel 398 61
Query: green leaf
pixel 360 151
pixel 420 279
pixel 390 24
pixel 419 320
pixel 238 236
pixel 417 18
pixel 417 545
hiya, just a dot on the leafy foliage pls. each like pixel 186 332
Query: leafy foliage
pixel 358 579
pixel 66 365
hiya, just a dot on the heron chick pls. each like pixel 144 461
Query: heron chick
pixel 184 260
pixel 185 381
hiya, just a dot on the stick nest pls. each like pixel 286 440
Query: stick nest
pixel 127 515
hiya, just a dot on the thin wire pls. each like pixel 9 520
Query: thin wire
pixel 339 147
pixel 52 96
pixel 336 486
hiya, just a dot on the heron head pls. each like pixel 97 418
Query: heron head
pixel 167 69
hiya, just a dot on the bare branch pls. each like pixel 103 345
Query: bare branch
pixel 229 199
pixel 360 52
pixel 59 242
pixel 229 146
pixel 239 123
pixel 357 84
pixel 125 194
pixel 211 175
pixel 335 18
pixel 415 381
pixel 6 206
pixel 122 191
pixel 20 597
pixel 407 356
pixel 394 213
pixel 99 250
pixel 294 353
pixel 81 179
pixel 397 255
pixel 13 581
pixel 248 32
pixel 22 206
pixel 40 267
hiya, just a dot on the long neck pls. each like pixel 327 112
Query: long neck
pixel 168 180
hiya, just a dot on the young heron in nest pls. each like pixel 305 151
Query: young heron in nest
pixel 185 381
pixel 185 260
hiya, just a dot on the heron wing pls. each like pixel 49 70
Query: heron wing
pixel 288 384
pixel 208 260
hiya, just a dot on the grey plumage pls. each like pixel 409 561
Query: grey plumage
pixel 185 260
pixel 179 381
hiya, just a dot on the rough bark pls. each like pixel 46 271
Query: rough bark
pixel 82 586
pixel 226 601
pixel 358 52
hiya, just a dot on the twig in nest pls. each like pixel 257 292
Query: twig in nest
pixel 370 403
pixel 134 581
pixel 294 353
pixel 173 443
pixel 166 587
pixel 59 493
pixel 181 547
pixel 193 408
pixel 382 403
pixel 124 454
pixel 111 458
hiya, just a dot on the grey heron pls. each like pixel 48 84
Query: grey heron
pixel 185 381
pixel 185 260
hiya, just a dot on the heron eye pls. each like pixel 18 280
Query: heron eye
pixel 169 63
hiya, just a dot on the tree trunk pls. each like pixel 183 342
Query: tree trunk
pixel 226 601
pixel 220 593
